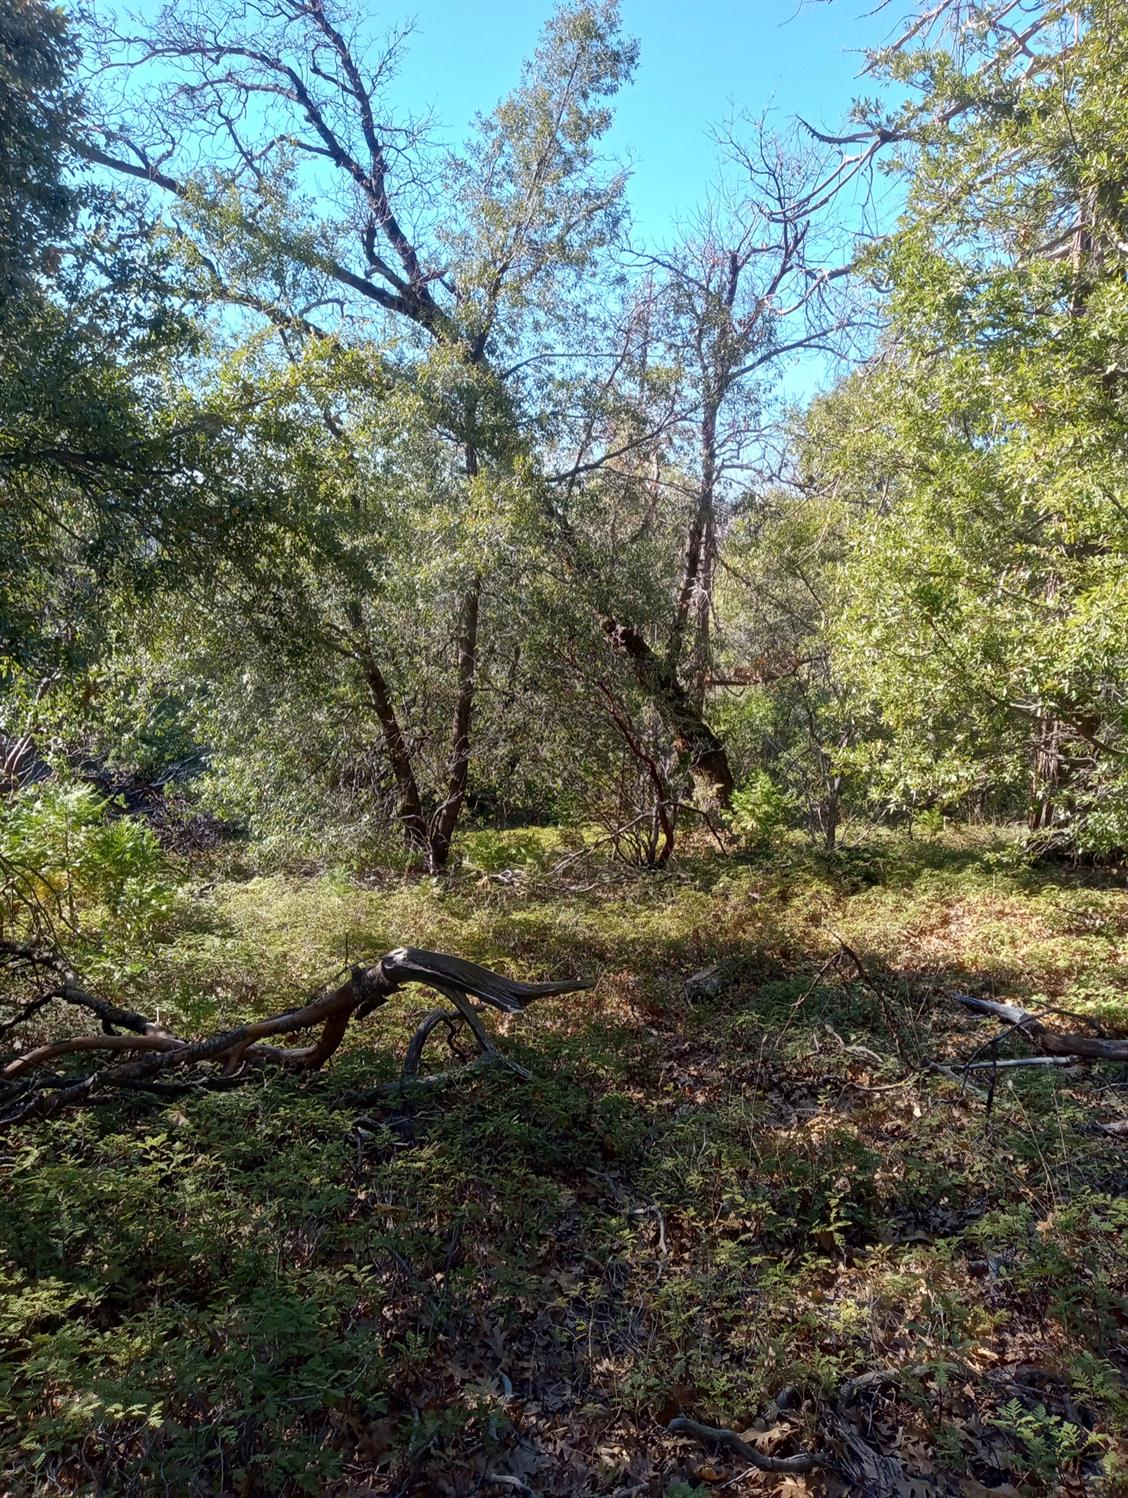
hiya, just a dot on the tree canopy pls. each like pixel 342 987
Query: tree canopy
pixel 385 450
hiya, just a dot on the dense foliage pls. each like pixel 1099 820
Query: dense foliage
pixel 376 500
pixel 977 469
pixel 396 550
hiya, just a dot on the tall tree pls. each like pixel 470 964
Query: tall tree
pixel 985 450
pixel 87 331
pixel 470 262
pixel 751 284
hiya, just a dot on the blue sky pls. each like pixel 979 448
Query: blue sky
pixel 700 59
pixel 701 62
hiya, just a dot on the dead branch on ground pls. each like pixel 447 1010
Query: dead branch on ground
pixel 145 1051
pixel 1095 1047
pixel 714 1435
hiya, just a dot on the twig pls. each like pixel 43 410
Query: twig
pixel 656 1211
pixel 589 848
pixel 879 993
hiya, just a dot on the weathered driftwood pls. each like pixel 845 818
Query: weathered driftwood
pixel 150 1050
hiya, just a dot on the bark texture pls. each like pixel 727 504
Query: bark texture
pixel 705 753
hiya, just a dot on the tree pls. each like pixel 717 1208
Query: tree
pixel 686 422
pixel 87 334
pixel 785 708
pixel 473 263
pixel 985 450
pixel 36 110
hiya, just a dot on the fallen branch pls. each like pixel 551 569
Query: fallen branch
pixel 998 1063
pixel 714 1435
pixel 878 1376
pixel 488 1056
pixel 155 1051
pixel 1052 1042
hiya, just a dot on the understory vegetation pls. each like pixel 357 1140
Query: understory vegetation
pixel 748 1202
pixel 418 580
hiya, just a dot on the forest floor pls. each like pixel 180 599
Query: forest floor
pixel 757 1209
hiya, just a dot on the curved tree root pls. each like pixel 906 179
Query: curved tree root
pixel 487 1058
pixel 714 1435
pixel 431 1020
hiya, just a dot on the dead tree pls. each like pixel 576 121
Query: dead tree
pixel 147 1056
pixel 753 284
pixel 748 287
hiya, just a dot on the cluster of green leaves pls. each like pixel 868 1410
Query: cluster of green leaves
pixel 68 866
pixel 975 473
pixel 355 483
pixel 36 103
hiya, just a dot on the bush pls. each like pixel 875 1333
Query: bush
pixel 65 861
pixel 760 808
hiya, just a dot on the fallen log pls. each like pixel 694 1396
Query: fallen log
pixel 153 1050
pixel 1053 1042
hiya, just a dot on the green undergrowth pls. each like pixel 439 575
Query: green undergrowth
pixel 728 1204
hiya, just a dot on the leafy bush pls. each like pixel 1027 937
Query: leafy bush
pixel 65 861
pixel 929 824
pixel 491 851
pixel 760 808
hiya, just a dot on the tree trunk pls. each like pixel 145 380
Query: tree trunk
pixel 831 811
pixel 708 759
pixel 430 835
pixel 1048 774
pixel 695 600
pixel 445 818
pixel 701 657
pixel 409 810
